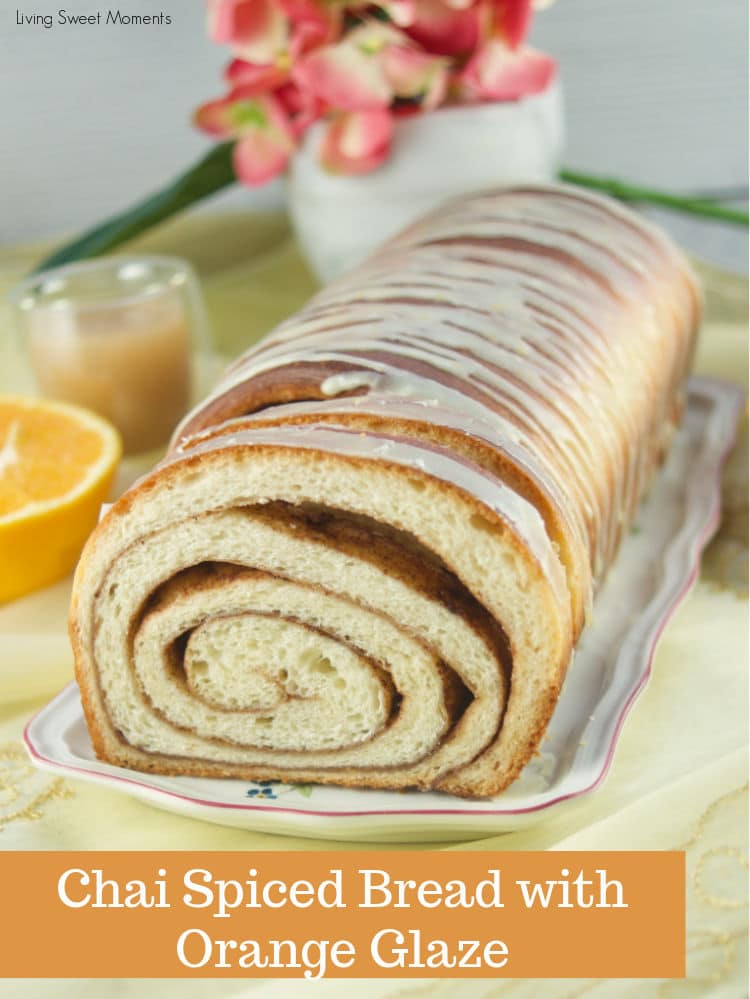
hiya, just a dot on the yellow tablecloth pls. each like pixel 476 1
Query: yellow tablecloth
pixel 679 779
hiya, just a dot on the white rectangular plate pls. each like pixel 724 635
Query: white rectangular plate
pixel 657 564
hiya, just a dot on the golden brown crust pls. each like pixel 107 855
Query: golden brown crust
pixel 589 388
pixel 476 450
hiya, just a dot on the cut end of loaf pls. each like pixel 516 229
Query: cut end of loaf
pixel 320 632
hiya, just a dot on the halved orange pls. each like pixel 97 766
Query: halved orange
pixel 57 462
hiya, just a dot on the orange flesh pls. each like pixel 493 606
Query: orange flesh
pixel 43 455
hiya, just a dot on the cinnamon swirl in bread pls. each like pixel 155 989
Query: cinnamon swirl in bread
pixel 369 554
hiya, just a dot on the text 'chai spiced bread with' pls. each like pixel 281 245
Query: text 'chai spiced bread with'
pixel 369 554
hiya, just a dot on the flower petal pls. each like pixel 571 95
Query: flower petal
pixel 312 24
pixel 264 148
pixel 301 107
pixel 220 20
pixel 258 159
pixel 513 20
pixel 214 118
pixel 358 142
pixel 413 73
pixel 344 77
pixel 405 12
pixel 500 73
pixel 445 29
pixel 401 12
pixel 251 76
pixel 257 30
pixel 307 10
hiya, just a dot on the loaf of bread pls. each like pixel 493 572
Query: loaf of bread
pixel 368 556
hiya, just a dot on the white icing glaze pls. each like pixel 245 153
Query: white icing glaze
pixel 522 518
pixel 347 382
pixel 397 406
pixel 552 323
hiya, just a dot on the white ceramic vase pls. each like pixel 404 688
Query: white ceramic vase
pixel 339 220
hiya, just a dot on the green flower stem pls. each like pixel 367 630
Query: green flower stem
pixel 702 207
pixel 214 172
pixel 206 177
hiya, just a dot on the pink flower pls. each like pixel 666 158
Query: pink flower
pixel 267 32
pixel 348 75
pixel 301 107
pixel 444 27
pixel 412 73
pixel 457 27
pixel 401 12
pixel 512 20
pixel 357 142
pixel 497 72
pixel 258 77
pixel 373 64
pixel 313 23
pixel 260 124
pixel 299 60
pixel 256 30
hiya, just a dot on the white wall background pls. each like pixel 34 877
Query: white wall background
pixel 94 117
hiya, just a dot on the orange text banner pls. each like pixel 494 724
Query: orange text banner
pixel 343 915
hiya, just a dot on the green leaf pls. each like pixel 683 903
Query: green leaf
pixel 206 177
pixel 214 172
pixel 305 790
pixel 624 191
